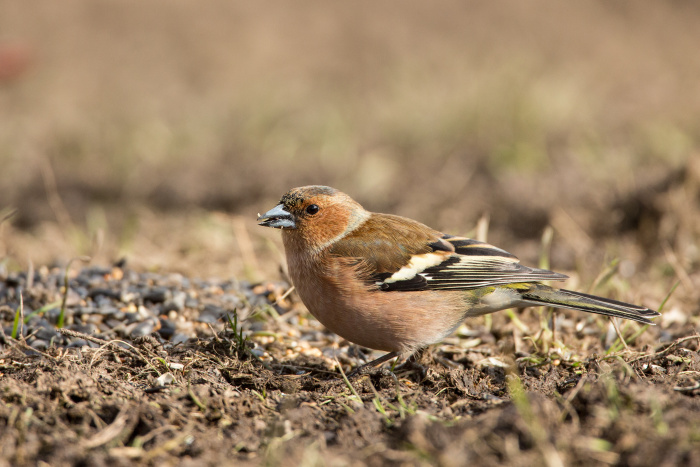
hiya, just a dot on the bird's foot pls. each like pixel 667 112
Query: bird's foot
pixel 368 368
pixel 412 366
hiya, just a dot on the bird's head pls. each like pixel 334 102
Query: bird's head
pixel 315 215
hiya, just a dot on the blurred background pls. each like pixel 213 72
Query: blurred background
pixel 157 130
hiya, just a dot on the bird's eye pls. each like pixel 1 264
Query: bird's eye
pixel 312 209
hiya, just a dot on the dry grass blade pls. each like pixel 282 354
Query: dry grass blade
pixel 66 289
pixel 666 348
pixel 116 429
pixel 81 335
pixel 619 334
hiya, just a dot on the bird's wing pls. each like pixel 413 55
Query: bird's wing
pixel 399 254
pixel 477 264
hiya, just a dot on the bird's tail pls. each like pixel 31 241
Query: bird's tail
pixel 561 298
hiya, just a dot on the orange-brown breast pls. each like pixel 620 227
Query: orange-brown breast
pixel 332 289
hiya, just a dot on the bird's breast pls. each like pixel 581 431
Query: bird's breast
pixel 336 295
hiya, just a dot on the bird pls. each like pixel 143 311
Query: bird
pixel 390 283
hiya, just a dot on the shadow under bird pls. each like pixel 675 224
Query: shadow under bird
pixel 391 283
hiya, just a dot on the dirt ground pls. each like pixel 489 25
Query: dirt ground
pixel 137 146
pixel 501 392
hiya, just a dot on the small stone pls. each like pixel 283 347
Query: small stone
pixel 94 319
pixel 77 343
pixel 103 328
pixel 179 338
pixel 234 301
pixel 73 298
pixel 177 302
pixel 145 328
pixel 95 271
pixel 8 330
pixel 46 333
pixel 145 312
pixel 157 295
pixel 210 314
pixel 167 328
pixel 53 314
pixel 82 292
pixel 165 379
pixel 38 344
pixel 102 292
pixel 114 313
pixel 113 323
pixel 132 317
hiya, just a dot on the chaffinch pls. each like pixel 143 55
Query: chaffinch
pixel 391 283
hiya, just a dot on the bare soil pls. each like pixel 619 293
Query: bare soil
pixel 255 397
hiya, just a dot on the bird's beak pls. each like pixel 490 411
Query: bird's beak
pixel 277 218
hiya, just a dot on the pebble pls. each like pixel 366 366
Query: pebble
pixel 115 302
pixel 143 328
pixel 114 323
pixel 53 314
pixel 73 298
pixel 176 303
pixel 157 295
pixel 46 333
pixel 7 331
pixel 132 317
pixel 113 313
pixel 165 379
pixel 82 292
pixel 103 292
pixel 211 314
pixel 94 319
pixel 79 343
pixel 38 344
pixel 179 338
pixel 167 328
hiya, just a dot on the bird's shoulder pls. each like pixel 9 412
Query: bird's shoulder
pixel 385 243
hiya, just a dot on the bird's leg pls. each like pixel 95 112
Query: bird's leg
pixel 411 365
pixel 367 367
